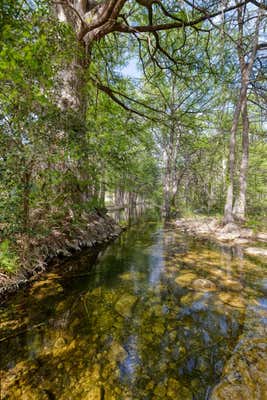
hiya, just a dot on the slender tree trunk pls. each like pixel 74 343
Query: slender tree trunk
pixel 26 200
pixel 240 203
pixel 245 68
pixel 167 187
pixel 228 209
pixel 102 194
pixel 26 192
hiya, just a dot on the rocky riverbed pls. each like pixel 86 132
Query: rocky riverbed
pixel 231 234
pixel 160 316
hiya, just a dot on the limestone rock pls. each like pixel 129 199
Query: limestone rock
pixel 117 352
pixel 204 285
pixel 241 241
pixel 228 236
pixel 230 228
pixel 244 376
pixel 246 233
pixel 231 284
pixel 232 300
pixel 262 236
pixel 124 306
pixel 185 279
pixel 190 298
pixel 256 251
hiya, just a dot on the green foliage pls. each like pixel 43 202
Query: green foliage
pixel 59 162
pixel 8 260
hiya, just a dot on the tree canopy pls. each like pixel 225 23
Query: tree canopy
pixel 79 132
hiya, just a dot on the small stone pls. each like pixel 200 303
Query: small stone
pixel 232 284
pixel 117 352
pixel 232 300
pixel 190 298
pixel 186 279
pixel 60 342
pixel 124 306
pixel 204 285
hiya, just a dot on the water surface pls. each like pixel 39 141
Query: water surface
pixel 155 315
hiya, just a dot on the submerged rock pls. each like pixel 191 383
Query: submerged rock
pixel 231 284
pixel 124 306
pixel 204 285
pixel 117 352
pixel 244 376
pixel 232 300
pixel 190 298
pixel 185 279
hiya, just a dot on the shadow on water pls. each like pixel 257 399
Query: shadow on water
pixel 155 315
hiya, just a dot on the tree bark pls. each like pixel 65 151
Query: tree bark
pixel 240 203
pixel 228 209
pixel 237 211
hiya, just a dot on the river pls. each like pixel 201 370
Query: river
pixel 154 315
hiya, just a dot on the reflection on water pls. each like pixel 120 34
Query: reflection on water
pixel 158 317
pixel 128 215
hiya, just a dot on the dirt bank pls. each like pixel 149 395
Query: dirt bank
pixel 95 229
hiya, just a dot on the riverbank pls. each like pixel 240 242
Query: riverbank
pixel 232 234
pixel 95 229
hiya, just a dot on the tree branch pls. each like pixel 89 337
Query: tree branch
pixel 258 4
pixel 161 27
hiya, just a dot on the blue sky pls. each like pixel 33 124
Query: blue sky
pixel 131 70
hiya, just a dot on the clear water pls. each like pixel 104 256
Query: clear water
pixel 132 321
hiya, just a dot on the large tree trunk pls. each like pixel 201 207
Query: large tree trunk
pixel 90 20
